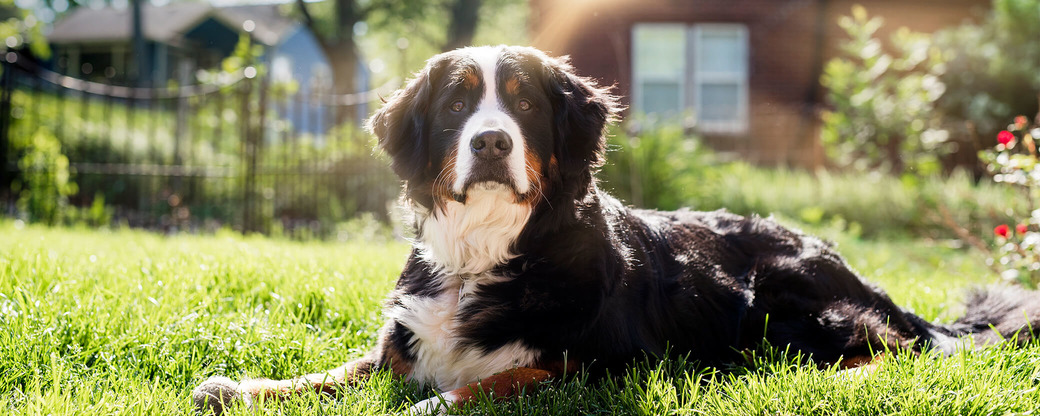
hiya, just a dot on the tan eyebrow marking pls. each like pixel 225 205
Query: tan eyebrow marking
pixel 470 79
pixel 513 85
pixel 466 76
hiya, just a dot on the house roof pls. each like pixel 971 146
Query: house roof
pixel 167 23
pixel 271 25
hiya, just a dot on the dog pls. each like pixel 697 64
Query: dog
pixel 523 269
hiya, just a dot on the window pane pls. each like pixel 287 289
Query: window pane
pixel 719 102
pixel 658 51
pixel 720 49
pixel 660 97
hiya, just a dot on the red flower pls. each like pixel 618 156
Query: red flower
pixel 1021 121
pixel 1005 137
pixel 1002 230
pixel 1021 228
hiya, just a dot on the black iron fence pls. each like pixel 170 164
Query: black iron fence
pixel 245 153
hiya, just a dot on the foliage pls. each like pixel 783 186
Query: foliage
pixel 662 168
pixel 126 322
pixel 659 166
pixel 45 183
pixel 1014 161
pixel 20 28
pixel 882 104
pixel 993 71
pixel 396 41
pixel 308 180
pixel 935 97
pixel 874 206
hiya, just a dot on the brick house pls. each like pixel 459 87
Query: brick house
pixel 743 72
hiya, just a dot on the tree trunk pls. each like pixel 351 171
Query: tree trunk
pixel 463 23
pixel 343 61
pixel 895 155
pixel 341 50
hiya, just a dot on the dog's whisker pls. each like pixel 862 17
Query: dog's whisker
pixel 537 184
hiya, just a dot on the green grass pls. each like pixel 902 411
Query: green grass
pixel 126 322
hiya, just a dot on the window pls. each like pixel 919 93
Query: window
pixel 702 68
pixel 659 67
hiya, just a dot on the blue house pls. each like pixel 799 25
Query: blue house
pixel 182 38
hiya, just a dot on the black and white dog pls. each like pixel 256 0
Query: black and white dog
pixel 523 269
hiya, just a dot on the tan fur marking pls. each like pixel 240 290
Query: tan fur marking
pixel 398 364
pixel 470 80
pixel 325 382
pixel 535 177
pixel 513 86
pixel 859 367
pixel 441 186
pixel 858 361
pixel 504 385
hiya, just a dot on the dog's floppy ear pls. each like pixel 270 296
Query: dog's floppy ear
pixel 582 110
pixel 401 124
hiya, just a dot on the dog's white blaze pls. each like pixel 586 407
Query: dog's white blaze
pixel 490 114
pixel 472 238
pixel 440 358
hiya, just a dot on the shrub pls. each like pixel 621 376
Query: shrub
pixel 992 71
pixel 658 167
pixel 662 168
pixel 882 113
pixel 45 183
pixel 1014 161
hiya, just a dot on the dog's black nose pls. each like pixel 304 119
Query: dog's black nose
pixel 491 144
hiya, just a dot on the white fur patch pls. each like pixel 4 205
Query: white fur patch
pixel 434 405
pixel 441 359
pixel 472 238
pixel 949 345
pixel 490 115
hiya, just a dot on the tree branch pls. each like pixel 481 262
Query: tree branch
pixel 307 19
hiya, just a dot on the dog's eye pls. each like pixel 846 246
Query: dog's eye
pixel 458 106
pixel 524 105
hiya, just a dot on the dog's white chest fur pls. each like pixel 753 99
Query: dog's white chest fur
pixel 442 357
pixel 474 237
pixel 463 243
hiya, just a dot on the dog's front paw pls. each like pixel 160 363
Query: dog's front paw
pixel 216 394
pixel 434 406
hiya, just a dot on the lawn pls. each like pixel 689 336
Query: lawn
pixel 128 322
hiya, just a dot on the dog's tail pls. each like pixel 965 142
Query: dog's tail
pixel 993 315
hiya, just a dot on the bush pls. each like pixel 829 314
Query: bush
pixel 45 183
pixel 662 168
pixel 658 167
pixel 920 99
pixel 1015 162
pixel 882 113
pixel 992 71
pixel 870 205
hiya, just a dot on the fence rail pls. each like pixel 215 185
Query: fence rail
pixel 250 154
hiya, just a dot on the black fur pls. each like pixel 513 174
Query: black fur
pixel 604 283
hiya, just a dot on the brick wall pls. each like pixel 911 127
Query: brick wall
pixel 784 55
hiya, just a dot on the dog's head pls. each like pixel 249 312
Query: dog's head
pixel 510 120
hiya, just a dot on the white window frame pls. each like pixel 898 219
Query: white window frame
pixel 692 83
pixel 739 123
pixel 637 78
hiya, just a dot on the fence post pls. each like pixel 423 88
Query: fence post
pixel 5 124
pixel 181 128
pixel 258 149
pixel 249 161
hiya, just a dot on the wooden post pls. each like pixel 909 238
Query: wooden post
pixel 5 123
